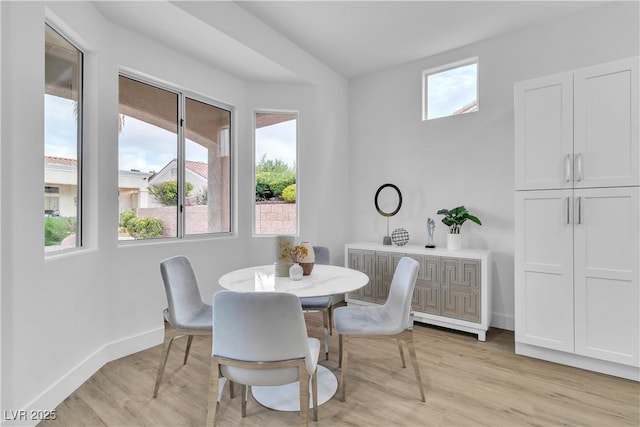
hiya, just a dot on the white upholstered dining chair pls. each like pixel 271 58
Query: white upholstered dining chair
pixel 261 339
pixel 393 319
pixel 187 314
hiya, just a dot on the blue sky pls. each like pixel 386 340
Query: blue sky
pixel 449 90
pixel 146 148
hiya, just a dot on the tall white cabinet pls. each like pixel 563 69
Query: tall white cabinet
pixel 577 203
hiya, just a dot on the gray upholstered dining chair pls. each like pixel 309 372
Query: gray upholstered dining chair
pixel 187 313
pixel 323 303
pixel 261 339
pixel 392 319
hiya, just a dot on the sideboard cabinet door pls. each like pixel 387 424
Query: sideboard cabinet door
pixel 460 288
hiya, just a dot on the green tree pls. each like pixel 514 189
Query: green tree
pixel 272 177
pixel 57 228
pixel 166 193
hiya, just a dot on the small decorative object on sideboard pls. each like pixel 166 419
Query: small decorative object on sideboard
pixel 388 201
pixel 400 237
pixel 431 225
pixel 454 219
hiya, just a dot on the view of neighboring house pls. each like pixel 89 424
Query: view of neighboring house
pixel 133 193
pixel 60 183
pixel 197 173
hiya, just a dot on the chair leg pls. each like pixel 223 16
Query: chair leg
pixel 244 400
pixel 325 323
pixel 344 357
pixel 303 380
pixel 186 352
pixel 399 341
pixel 231 393
pixel 414 362
pixel 340 351
pixel 213 393
pixel 168 341
pixel 314 391
pixel 330 312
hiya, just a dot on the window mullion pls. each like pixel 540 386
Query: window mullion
pixel 181 166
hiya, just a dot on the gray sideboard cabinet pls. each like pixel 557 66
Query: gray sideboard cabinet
pixel 453 288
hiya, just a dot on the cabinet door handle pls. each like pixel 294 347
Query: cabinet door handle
pixel 567 167
pixel 579 210
pixel 568 210
pixel 579 166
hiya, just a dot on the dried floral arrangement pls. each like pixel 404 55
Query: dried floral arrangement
pixel 294 253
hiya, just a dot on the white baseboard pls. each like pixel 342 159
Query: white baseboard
pixel 53 395
pixel 503 321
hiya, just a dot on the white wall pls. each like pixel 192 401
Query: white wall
pixel 466 159
pixel 63 317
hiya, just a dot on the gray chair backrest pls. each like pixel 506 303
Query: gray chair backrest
pixel 183 295
pixel 322 255
pixel 398 304
pixel 259 327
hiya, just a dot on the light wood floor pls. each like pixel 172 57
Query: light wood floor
pixel 467 383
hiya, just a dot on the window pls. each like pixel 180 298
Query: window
pixel 62 142
pixel 174 164
pixel 276 136
pixel 450 90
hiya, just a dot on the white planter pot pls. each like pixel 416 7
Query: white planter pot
pixel 454 242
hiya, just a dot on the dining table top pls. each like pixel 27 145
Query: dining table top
pixel 323 280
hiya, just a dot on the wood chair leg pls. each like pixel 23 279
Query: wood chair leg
pixel 340 351
pixel 188 349
pixel 303 380
pixel 314 391
pixel 330 312
pixel 325 323
pixel 399 341
pixel 213 393
pixel 231 393
pixel 168 341
pixel 244 400
pixel 344 357
pixel 414 362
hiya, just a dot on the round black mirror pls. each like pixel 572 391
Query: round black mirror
pixel 388 200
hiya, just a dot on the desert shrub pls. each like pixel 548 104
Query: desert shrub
pixel 272 177
pixel 126 217
pixel 145 228
pixel 57 228
pixel 166 193
pixel 289 193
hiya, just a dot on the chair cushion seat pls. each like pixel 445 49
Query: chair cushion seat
pixel 200 320
pixel 358 320
pixel 316 303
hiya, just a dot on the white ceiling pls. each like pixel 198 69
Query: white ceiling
pixel 351 37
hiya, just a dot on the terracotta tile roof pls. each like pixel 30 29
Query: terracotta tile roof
pixel 61 161
pixel 472 106
pixel 199 168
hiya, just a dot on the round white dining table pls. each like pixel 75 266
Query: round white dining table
pixel 323 280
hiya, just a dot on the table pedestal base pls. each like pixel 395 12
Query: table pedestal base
pixel 287 397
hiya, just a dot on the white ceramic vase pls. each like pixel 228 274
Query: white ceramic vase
pixel 454 242
pixel 295 272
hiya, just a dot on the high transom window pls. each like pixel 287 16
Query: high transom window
pixel 450 90
pixel 174 163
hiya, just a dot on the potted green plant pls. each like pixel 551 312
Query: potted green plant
pixel 454 219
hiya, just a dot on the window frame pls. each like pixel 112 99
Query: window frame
pixel 253 172
pixel 80 135
pixel 181 122
pixel 440 69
